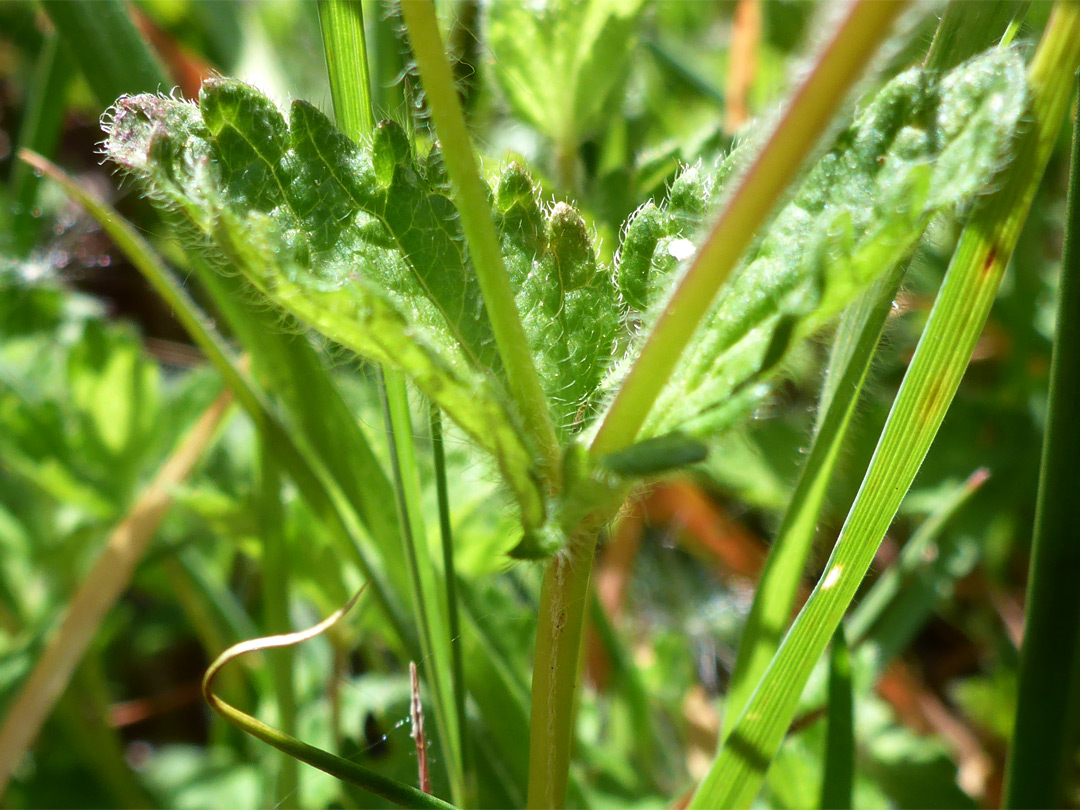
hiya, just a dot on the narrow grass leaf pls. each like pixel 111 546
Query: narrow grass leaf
pixel 318 486
pixel 1044 738
pixel 112 56
pixel 895 581
pixel 838 784
pixel 346 770
pixel 849 363
pixel 39 132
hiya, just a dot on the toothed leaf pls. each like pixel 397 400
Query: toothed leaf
pixel 353 240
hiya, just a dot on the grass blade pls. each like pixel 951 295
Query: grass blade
pixel 346 55
pixel 1044 735
pixel 39 132
pixel 390 789
pixel 99 591
pixel 453 610
pixel 345 49
pixel 275 597
pixel 326 496
pixel 470 198
pixel 935 372
pixel 967 28
pixel 895 580
pixel 427 612
pixel 836 789
pixel 852 354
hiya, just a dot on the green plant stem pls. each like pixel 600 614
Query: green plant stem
pixel 345 49
pixel 929 385
pixel 471 200
pixel 446 535
pixel 806 117
pixel 275 597
pixel 1044 737
pixel 557 668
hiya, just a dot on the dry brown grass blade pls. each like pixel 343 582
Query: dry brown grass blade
pixel 99 591
pixel 416 716
pixel 742 65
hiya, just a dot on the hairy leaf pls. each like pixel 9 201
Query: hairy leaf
pixel 568 303
pixel 923 143
pixel 353 241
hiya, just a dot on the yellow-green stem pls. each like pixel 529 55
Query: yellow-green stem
pixel 470 197
pixel 563 600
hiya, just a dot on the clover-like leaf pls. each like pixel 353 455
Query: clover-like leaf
pixel 561 62
pixel 923 143
pixel 353 240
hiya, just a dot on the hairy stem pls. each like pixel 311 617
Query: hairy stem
pixel 471 200
pixel 563 600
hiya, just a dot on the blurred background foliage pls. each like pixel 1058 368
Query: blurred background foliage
pixel 98 381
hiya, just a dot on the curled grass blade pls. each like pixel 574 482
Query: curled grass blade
pixel 935 372
pixel 372 781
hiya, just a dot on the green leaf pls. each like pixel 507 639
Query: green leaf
pixel 114 388
pixel 351 240
pixel 920 145
pixel 656 455
pixel 561 62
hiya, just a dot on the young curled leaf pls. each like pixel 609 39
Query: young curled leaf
pixel 654 456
